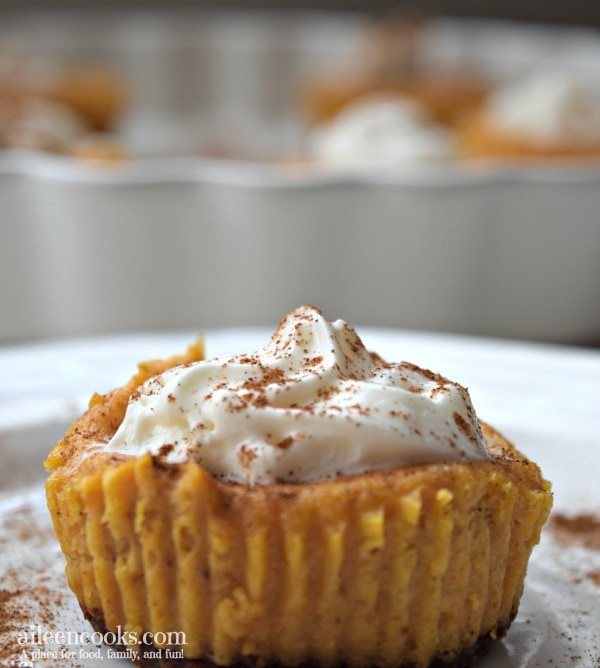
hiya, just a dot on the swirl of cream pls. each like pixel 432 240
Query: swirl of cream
pixel 312 404
pixel 548 107
pixel 379 131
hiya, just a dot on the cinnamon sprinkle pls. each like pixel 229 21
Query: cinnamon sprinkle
pixel 464 427
pixel 582 529
pixel 594 577
pixel 246 456
pixel 285 443
pixel 31 591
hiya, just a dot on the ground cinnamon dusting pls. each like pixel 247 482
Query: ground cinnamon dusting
pixel 161 458
pixel 285 443
pixel 246 456
pixel 594 577
pixel 464 427
pixel 582 529
pixel 31 591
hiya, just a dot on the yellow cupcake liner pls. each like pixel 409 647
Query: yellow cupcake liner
pixel 379 569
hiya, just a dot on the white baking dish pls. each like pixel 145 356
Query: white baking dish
pixel 185 241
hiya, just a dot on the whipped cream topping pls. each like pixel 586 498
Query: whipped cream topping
pixel 380 131
pixel 312 404
pixel 548 107
pixel 38 124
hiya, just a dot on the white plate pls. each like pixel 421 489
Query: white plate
pixel 542 397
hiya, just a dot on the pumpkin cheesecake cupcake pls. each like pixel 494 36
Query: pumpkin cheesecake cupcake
pixel 305 503
pixel 380 132
pixel 547 116
pixel 389 62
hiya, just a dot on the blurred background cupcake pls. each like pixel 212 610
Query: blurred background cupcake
pixel 550 114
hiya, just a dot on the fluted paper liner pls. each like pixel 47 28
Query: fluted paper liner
pixel 377 569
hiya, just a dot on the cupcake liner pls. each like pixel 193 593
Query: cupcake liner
pixel 379 569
